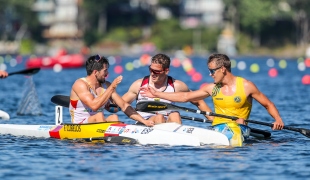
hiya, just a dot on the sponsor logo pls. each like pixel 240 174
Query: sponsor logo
pixel 219 98
pixel 121 130
pixel 72 127
pixel 190 130
pixel 237 99
pixel 157 99
pixel 157 107
pixel 44 127
pixel 126 140
pixel 147 130
pixel 100 131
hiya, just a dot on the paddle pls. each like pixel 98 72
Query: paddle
pixel 64 101
pixel 27 72
pixel 61 100
pixel 147 106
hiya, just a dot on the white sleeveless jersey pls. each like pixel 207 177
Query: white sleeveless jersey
pixel 140 98
pixel 79 111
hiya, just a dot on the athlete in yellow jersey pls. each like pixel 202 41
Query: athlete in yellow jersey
pixel 236 104
pixel 232 95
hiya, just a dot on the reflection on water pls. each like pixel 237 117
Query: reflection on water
pixel 29 104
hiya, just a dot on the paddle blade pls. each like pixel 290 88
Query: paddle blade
pixel 61 100
pixel 26 72
pixel 147 106
pixel 305 132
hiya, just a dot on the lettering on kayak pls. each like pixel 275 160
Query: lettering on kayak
pixel 100 131
pixel 157 107
pixel 188 130
pixel 72 127
pixel 126 140
pixel 147 130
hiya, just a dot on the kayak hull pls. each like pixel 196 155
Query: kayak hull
pixel 171 134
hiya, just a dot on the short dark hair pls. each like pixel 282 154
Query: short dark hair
pixel 220 60
pixel 162 59
pixel 96 62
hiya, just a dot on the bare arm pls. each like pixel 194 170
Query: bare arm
pixel 129 110
pixel 81 90
pixel 132 92
pixel 264 101
pixel 201 104
pixel 176 96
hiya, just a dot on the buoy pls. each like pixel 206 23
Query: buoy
pixel 118 69
pixel 273 72
pixel 306 80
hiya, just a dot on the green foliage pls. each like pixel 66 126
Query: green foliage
pixel 124 34
pixel 26 46
pixel 169 35
pixel 244 44
pixel 254 15
pixel 91 37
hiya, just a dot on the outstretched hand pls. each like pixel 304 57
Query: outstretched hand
pixel 3 74
pixel 147 92
pixel 116 81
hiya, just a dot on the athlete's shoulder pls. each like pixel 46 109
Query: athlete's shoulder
pixel 180 86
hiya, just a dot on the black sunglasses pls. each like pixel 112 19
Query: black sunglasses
pixel 212 71
pixel 155 71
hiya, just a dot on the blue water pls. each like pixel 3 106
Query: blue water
pixel 285 156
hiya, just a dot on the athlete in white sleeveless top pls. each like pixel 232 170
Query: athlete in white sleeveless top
pixel 89 95
pixel 80 112
pixel 159 80
pixel 169 88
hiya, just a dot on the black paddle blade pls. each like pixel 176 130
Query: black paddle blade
pixel 27 72
pixel 305 132
pixel 266 134
pixel 61 100
pixel 150 106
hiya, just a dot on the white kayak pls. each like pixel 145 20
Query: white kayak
pixel 172 134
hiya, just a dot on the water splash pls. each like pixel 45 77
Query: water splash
pixel 29 104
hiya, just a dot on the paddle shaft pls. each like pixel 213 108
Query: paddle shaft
pixel 247 120
pixel 159 106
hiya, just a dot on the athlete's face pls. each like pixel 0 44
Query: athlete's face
pixel 102 74
pixel 215 72
pixel 157 73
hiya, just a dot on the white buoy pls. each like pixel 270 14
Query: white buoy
pixel 4 115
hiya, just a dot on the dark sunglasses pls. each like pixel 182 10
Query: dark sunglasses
pixel 155 71
pixel 212 71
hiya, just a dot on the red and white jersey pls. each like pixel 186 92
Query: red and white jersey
pixel 140 98
pixel 79 111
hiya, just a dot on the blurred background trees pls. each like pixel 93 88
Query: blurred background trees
pixel 200 26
